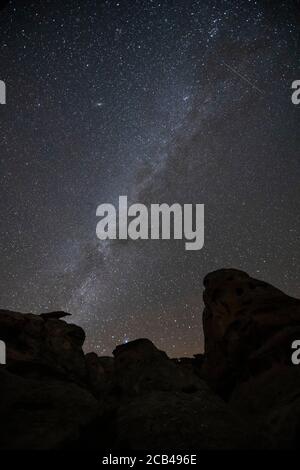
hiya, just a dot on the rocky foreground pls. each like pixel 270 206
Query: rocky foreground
pixel 243 392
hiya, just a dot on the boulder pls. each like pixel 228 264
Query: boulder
pixel 177 420
pixel 271 402
pixel 41 348
pixel 42 414
pixel 141 367
pixel 243 392
pixel 249 326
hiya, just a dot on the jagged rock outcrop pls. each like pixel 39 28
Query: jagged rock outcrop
pixel 53 396
pixel 54 315
pixel 39 348
pixel 249 326
pixel 243 392
pixel 140 367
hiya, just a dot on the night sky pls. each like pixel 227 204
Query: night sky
pixel 171 101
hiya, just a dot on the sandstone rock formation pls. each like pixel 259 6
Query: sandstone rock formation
pixel 270 402
pixel 177 420
pixel 39 347
pixel 42 414
pixel 140 367
pixel 243 392
pixel 249 326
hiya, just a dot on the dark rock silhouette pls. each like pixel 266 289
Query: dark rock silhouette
pixel 243 392
pixel 39 347
pixel 178 420
pixel 54 315
pixel 271 403
pixel 249 326
pixel 42 414
pixel 140 368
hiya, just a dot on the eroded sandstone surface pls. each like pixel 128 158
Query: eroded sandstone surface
pixel 243 392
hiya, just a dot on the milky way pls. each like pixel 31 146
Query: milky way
pixel 168 101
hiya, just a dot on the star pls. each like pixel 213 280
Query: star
pixel 171 102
